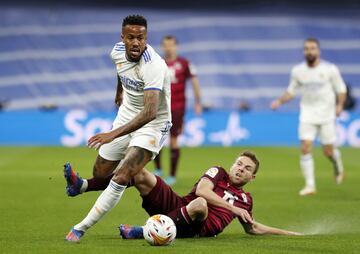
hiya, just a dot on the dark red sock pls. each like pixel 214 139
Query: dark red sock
pixel 175 154
pixel 185 226
pixel 96 184
pixel 180 216
pixel 157 161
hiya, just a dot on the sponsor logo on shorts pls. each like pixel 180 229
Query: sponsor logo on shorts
pixel 212 172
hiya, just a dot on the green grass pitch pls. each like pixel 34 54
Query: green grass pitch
pixel 35 213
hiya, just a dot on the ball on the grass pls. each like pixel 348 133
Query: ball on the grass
pixel 159 230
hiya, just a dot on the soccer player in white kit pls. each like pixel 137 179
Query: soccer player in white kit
pixel 323 94
pixel 142 123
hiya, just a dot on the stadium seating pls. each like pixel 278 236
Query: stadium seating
pixel 61 56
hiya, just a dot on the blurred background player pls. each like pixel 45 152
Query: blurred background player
pixel 180 70
pixel 323 94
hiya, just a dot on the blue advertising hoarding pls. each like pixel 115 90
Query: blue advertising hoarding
pixel 213 128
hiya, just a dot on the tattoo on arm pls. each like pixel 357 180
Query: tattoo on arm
pixel 151 103
pixel 119 92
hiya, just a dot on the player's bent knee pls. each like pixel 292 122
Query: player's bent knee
pixel 328 152
pixel 144 181
pixel 201 203
pixel 103 168
pixel 306 149
pixel 125 172
pixel 143 177
pixel 122 176
pixel 198 209
pixel 122 179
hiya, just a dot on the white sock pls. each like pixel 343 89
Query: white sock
pixel 307 168
pixel 105 202
pixel 337 161
pixel 84 186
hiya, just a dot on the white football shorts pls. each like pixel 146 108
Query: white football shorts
pixel 326 132
pixel 149 138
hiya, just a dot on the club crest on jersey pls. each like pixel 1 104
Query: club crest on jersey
pixel 212 172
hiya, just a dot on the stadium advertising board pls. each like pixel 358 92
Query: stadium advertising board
pixel 213 128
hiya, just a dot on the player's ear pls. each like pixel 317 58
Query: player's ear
pixel 253 177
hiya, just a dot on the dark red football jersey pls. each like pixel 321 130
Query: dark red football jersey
pixel 218 217
pixel 180 70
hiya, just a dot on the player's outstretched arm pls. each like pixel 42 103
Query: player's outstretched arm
pixel 151 103
pixel 257 228
pixel 281 100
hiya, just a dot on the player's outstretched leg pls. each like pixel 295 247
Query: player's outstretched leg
pixel 102 174
pixel 131 232
pixel 135 160
pixel 74 182
pixel 196 211
pixel 144 182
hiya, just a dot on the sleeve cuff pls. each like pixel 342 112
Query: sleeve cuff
pixel 152 88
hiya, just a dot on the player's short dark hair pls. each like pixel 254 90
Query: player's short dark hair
pixel 312 39
pixel 253 158
pixel 169 37
pixel 134 20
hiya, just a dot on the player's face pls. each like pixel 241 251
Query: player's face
pixel 169 48
pixel 134 37
pixel 242 171
pixel 311 52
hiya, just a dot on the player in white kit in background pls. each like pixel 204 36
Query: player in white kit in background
pixel 323 93
pixel 140 128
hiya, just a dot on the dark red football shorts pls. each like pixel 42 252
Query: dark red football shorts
pixel 177 122
pixel 163 200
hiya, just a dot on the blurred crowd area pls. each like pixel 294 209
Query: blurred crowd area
pixel 55 54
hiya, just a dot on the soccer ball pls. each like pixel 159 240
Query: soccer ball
pixel 159 230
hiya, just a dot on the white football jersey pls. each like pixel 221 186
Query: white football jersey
pixel 150 73
pixel 318 86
